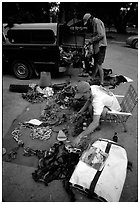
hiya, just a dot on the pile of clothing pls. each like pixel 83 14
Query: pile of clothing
pixel 111 81
pixel 65 96
pixel 66 57
pixel 62 94
pixel 70 56
pixel 37 95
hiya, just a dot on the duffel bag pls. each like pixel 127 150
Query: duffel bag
pixel 101 170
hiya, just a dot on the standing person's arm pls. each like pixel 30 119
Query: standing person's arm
pixel 100 30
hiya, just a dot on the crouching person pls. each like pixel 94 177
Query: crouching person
pixel 98 101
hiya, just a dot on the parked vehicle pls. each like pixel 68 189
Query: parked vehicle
pixel 132 41
pixel 32 48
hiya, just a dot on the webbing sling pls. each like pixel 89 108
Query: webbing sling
pixel 98 173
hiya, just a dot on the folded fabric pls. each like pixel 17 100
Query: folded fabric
pixel 34 122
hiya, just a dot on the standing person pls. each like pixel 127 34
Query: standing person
pixel 99 43
pixel 98 101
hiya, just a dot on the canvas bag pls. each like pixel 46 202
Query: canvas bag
pixel 101 170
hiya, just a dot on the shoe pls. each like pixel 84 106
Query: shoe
pixel 102 84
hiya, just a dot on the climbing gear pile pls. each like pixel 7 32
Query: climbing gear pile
pixel 12 154
pixel 37 95
pixel 42 133
pixel 16 134
pixel 65 96
pixel 57 163
pixel 33 96
pixel 52 115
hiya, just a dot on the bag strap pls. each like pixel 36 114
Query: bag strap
pixel 98 173
pixel 108 147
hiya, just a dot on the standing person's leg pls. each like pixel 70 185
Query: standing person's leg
pixel 95 67
pixel 87 64
pixel 101 73
pixel 98 61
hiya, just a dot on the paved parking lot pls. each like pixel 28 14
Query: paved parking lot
pixel 18 185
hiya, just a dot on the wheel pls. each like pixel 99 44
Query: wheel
pixel 22 69
pixel 135 44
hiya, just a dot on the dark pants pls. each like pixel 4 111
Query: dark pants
pixel 100 56
pixel 98 59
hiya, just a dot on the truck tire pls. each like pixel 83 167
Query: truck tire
pixel 22 69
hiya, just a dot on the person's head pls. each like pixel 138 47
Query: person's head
pixel 83 90
pixel 87 18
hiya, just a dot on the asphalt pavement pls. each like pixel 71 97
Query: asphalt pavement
pixel 17 183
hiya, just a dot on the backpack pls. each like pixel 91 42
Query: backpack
pixel 101 171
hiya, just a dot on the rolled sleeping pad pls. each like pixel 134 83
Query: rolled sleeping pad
pixel 18 88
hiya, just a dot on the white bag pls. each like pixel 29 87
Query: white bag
pixel 101 170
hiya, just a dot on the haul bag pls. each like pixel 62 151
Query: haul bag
pixel 101 170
